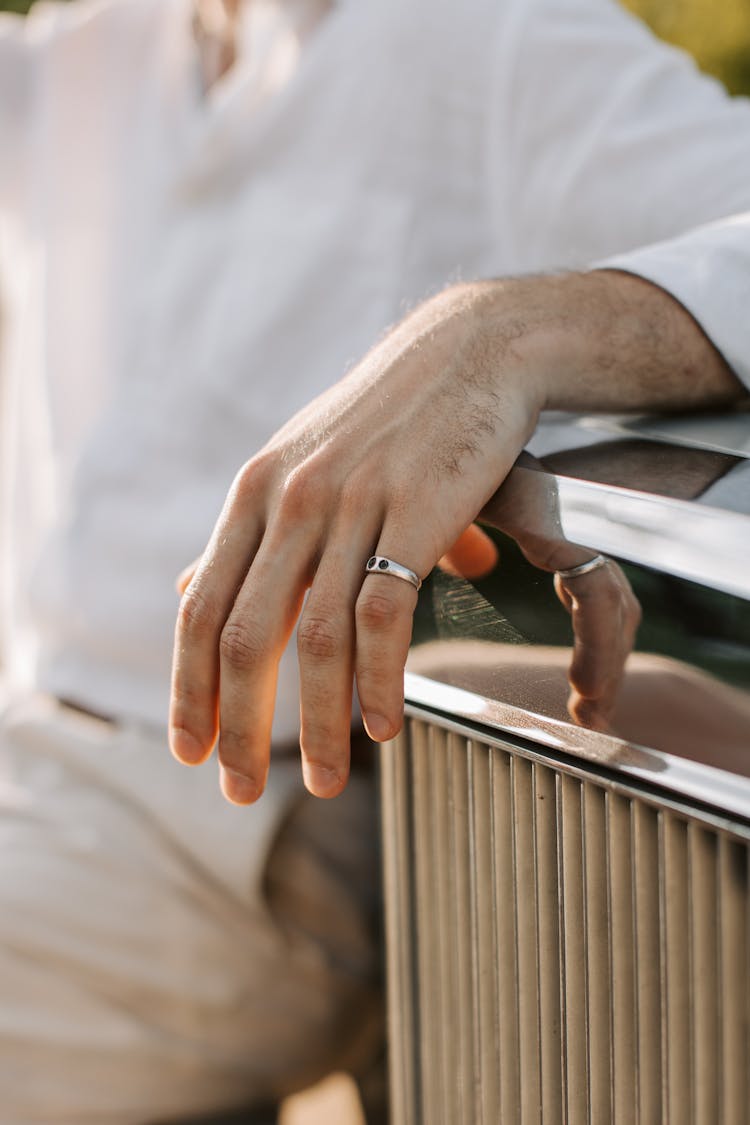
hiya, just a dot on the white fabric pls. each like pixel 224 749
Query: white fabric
pixel 177 277
pixel 707 271
pixel 183 275
pixel 142 972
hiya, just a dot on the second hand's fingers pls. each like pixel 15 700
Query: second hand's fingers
pixel 605 616
pixel 473 555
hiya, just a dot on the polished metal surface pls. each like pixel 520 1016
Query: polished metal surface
pixel 720 790
pixel 513 652
pixel 724 433
pixel 679 537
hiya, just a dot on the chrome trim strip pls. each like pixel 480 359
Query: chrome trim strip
pixel 722 433
pixel 702 544
pixel 725 791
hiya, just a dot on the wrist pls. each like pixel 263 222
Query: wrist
pixel 516 325
pixel 606 340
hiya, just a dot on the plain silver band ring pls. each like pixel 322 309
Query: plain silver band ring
pixel 584 568
pixel 380 565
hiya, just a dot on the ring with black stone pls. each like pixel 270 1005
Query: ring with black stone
pixel 378 564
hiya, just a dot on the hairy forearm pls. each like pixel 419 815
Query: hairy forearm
pixel 602 340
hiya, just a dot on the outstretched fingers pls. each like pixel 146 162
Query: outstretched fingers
pixel 229 637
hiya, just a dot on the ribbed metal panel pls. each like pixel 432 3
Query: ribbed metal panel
pixel 560 951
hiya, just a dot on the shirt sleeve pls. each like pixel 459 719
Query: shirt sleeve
pixel 619 143
pixel 708 271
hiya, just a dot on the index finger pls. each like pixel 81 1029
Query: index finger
pixel 206 602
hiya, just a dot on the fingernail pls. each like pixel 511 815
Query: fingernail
pixel 186 747
pixel 321 781
pixel 237 787
pixel 379 728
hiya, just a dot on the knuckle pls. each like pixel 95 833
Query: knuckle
pixel 197 617
pixel 186 702
pixel 301 493
pixel 240 647
pixel 235 747
pixel 377 610
pixel 318 638
pixel 249 480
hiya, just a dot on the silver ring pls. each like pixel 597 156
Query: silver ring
pixel 380 565
pixel 584 568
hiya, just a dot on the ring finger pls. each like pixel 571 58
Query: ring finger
pixel 384 615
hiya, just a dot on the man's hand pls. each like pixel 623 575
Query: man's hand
pixel 396 460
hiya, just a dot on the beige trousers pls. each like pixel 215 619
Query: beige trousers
pixel 163 953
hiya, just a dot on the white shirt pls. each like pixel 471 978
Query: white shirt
pixel 180 275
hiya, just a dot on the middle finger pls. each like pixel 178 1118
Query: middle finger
pixel 325 643
pixel 252 641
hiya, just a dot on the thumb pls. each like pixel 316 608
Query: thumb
pixel 473 555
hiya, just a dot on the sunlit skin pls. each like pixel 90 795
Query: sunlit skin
pixel 398 459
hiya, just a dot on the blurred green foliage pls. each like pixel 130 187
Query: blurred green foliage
pixel 717 32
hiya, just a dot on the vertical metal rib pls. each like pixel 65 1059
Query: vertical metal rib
pixel 459 922
pixel 675 928
pixel 647 962
pixel 505 937
pixel 402 1029
pixel 446 1082
pixel 574 964
pixel 704 972
pixel 429 1044
pixel 734 957
pixel 622 964
pixel 527 953
pixel 598 997
pixel 548 938
pixel 483 906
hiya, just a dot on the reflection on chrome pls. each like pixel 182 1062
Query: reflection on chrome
pixel 704 545
pixel 566 664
